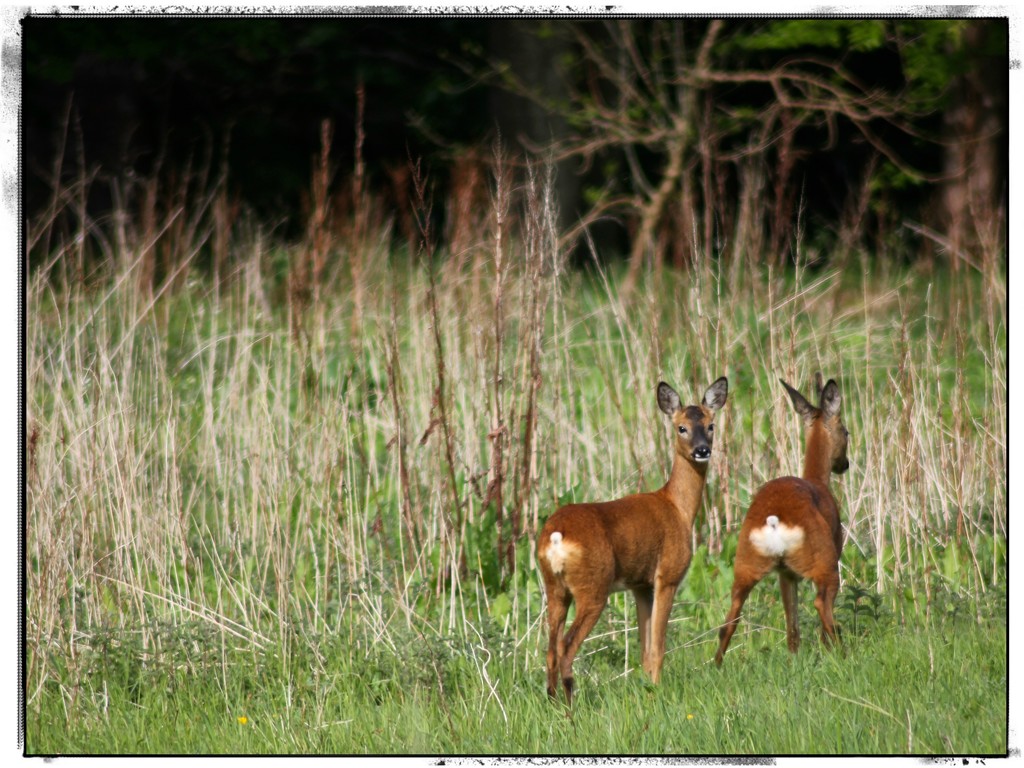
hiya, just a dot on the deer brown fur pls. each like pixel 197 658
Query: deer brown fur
pixel 641 543
pixel 793 526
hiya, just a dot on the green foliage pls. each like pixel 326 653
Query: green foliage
pixel 933 55
pixel 867 35
pixel 931 51
pixel 710 576
pixel 855 606
pixel 481 549
pixel 797 33
pixel 888 177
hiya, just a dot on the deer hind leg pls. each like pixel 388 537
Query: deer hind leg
pixel 828 587
pixel 788 587
pixel 740 592
pixel 559 600
pixel 644 603
pixel 752 568
pixel 588 611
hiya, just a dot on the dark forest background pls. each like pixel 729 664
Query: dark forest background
pixel 885 133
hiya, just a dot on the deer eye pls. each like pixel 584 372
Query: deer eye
pixel 682 430
pixel 711 428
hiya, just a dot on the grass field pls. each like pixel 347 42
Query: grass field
pixel 266 520
pixel 935 688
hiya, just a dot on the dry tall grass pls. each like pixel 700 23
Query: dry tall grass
pixel 228 455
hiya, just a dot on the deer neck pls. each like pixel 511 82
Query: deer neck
pixel 685 487
pixel 817 459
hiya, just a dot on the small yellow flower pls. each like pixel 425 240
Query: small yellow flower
pixel 689 717
pixel 242 720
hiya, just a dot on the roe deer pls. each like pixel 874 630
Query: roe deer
pixel 792 525
pixel 640 543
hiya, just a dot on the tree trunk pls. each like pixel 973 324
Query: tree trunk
pixel 523 122
pixel 652 211
pixel 974 157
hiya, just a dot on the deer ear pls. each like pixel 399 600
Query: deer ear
pixel 714 398
pixel 668 400
pixel 804 408
pixel 831 400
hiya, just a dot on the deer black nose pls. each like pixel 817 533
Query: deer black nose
pixel 703 453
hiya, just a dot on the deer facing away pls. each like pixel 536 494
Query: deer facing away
pixel 640 543
pixel 793 527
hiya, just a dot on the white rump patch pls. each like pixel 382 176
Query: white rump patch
pixel 776 539
pixel 557 552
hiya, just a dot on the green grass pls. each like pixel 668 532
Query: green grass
pixel 938 687
pixel 243 507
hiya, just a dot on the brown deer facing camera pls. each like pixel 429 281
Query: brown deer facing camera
pixel 793 526
pixel 640 543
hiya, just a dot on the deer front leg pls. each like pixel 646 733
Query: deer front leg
pixel 663 596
